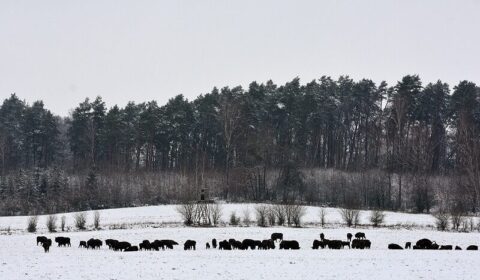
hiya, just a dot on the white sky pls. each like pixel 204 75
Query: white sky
pixel 63 51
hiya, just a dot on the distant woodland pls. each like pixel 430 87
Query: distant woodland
pixel 339 142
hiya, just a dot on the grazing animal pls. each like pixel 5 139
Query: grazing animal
pixel 446 247
pixel 121 246
pixel 415 247
pixel 424 243
pixel 276 236
pixel 224 245
pixel 237 244
pixel 289 245
pixel 458 248
pixel 189 245
pixel 46 245
pixel 145 245
pixel 360 235
pixel 346 243
pixel 83 244
pixel 322 236
pixel 249 243
pixel 267 244
pixel 393 246
pixel 349 237
pixel 334 244
pixel 63 241
pixel 318 244
pixel 111 242
pixel 361 244
pixel 214 243
pixel 472 248
pixel 207 246
pixel 408 245
pixel 131 249
pixel 41 239
pixel 94 243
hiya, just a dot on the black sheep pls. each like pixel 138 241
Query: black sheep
pixel 63 241
pixel 41 239
pixel 361 244
pixel 458 248
pixel 224 245
pixel 322 236
pixel 83 244
pixel 189 245
pixel 214 243
pixel 360 235
pixel 349 237
pixel 46 245
pixel 289 245
pixel 472 248
pixel 446 247
pixel 131 249
pixel 334 244
pixel 249 243
pixel 276 236
pixel 424 243
pixel 94 243
pixel 121 246
pixel 145 245
pixel 408 245
pixel 393 246
pixel 207 246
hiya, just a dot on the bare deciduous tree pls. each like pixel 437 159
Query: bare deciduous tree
pixel 80 219
pixel 323 214
pixel 63 222
pixel 350 216
pixel 32 223
pixel 52 223
pixel 377 217
pixel 441 220
pixel 96 220
pixel 188 212
pixel 261 212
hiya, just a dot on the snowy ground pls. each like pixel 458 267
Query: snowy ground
pixel 21 259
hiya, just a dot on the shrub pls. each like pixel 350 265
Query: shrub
pixel 261 213
pixel 271 216
pixel 350 216
pixel 377 217
pixel 323 214
pixel 457 220
pixel 234 220
pixel 441 220
pixel 52 223
pixel 96 220
pixel 298 211
pixel 216 213
pixel 32 223
pixel 279 214
pixel 246 216
pixel 62 222
pixel 187 211
pixel 80 219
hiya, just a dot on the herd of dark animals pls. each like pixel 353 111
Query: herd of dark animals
pixel 359 242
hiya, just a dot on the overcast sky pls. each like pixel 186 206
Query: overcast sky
pixel 63 51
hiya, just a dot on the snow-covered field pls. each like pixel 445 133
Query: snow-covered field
pixel 20 258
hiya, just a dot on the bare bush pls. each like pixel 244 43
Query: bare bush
pixel 457 220
pixel 63 220
pixel 271 216
pixel 52 223
pixel 323 214
pixel 261 212
pixel 441 220
pixel 298 211
pixel 350 216
pixel 32 223
pixel 216 213
pixel 188 212
pixel 246 216
pixel 234 220
pixel 377 217
pixel 96 220
pixel 279 214
pixel 80 219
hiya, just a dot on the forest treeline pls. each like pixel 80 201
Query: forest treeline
pixel 409 146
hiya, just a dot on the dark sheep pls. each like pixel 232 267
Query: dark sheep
pixel 41 239
pixel 268 244
pixel 361 244
pixel 166 243
pixel 131 249
pixel 360 235
pixel 322 236
pixel 207 246
pixel 46 245
pixel 214 243
pixel 189 245
pixel 318 244
pixel 458 248
pixel 345 243
pixel 94 243
pixel 63 241
pixel 393 246
pixel 276 236
pixel 289 245
pixel 224 245
pixel 349 237
pixel 145 245
pixel 415 247
pixel 237 245
pixel 121 246
pixel 111 242
pixel 82 244
pixel 249 243
pixel 472 248
pixel 408 245
pixel 446 247
pixel 334 244
pixel 424 243
pixel 434 246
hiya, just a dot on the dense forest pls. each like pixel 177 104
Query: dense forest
pixel 357 144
